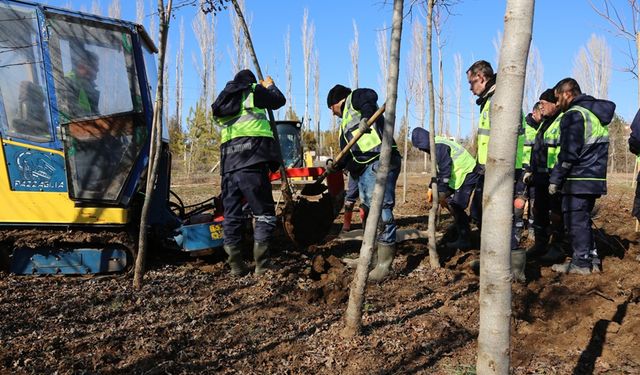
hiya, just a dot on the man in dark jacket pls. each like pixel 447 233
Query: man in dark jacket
pixel 547 210
pixel 248 152
pixel 363 162
pixel 634 147
pixel 456 179
pixel 580 173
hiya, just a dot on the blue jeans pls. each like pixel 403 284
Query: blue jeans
pixel 366 185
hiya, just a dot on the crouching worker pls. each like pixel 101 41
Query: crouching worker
pixel 247 153
pixel 363 162
pixel 456 179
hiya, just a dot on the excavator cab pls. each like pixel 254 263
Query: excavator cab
pixel 75 118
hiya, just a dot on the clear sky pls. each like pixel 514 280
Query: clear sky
pixel 560 29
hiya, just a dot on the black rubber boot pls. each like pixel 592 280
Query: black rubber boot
pixel 386 253
pixel 518 262
pixel 238 268
pixel 260 250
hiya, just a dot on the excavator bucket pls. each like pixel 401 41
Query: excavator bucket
pixel 309 219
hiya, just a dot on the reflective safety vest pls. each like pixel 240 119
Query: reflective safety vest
pixel 367 148
pixel 529 141
pixel 594 133
pixel 463 162
pixel 249 122
pixel 552 142
pixel 484 128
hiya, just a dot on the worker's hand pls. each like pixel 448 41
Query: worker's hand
pixel 430 195
pixel 527 178
pixel 267 82
pixel 553 189
pixel 442 199
pixel 330 167
pixel 363 127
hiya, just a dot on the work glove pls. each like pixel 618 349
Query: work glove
pixel 553 189
pixel 442 199
pixel 527 178
pixel 330 167
pixel 267 82
pixel 363 127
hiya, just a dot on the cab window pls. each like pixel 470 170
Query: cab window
pixel 24 109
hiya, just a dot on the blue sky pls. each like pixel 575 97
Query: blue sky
pixel 560 29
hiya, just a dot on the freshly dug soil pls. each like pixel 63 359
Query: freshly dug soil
pixel 193 317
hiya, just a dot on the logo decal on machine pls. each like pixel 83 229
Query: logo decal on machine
pixel 34 170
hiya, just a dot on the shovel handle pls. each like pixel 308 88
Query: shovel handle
pixel 357 137
pixel 352 142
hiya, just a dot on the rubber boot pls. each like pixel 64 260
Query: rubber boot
pixel 539 247
pixel 260 250
pixel 238 268
pixel 386 253
pixel 554 255
pixel 518 262
pixel 348 213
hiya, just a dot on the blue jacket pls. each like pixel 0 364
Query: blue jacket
pixel 420 140
pixel 634 138
pixel 364 100
pixel 540 150
pixel 585 164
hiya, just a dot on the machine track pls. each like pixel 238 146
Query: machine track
pixel 68 250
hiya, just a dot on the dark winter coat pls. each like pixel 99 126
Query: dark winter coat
pixel 247 151
pixel 580 167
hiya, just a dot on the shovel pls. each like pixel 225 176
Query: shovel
pixel 317 187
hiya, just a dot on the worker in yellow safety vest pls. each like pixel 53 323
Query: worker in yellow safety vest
pixel 247 153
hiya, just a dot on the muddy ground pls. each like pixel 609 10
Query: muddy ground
pixel 192 317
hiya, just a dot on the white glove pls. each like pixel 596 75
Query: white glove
pixel 553 189
pixel 527 177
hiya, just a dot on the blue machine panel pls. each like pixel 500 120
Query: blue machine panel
pixel 197 237
pixel 71 262
pixel 34 170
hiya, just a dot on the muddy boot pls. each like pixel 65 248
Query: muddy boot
pixel 238 268
pixel 348 214
pixel 554 255
pixel 539 247
pixel 260 250
pixel 461 243
pixel 386 253
pixel 518 262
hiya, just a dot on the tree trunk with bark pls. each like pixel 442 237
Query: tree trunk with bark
pixel 156 146
pixel 434 259
pixel 495 247
pixel 353 315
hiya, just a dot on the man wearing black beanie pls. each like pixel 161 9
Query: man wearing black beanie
pixel 363 160
pixel 543 158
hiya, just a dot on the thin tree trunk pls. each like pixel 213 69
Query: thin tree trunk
pixel 495 249
pixel 286 188
pixel 156 146
pixel 434 259
pixel 406 140
pixel 353 315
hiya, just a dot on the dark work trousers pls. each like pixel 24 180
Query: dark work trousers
pixel 458 203
pixel 476 207
pixel 517 225
pixel 547 211
pixel 251 183
pixel 636 200
pixel 476 203
pixel 352 190
pixel 576 209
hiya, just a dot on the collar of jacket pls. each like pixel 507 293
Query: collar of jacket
pixel 487 93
